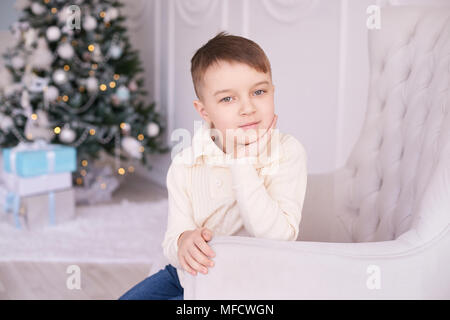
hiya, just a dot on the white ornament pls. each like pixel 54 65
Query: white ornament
pixel 123 93
pixel 65 51
pixel 18 62
pixel 53 33
pixel 5 123
pixel 67 135
pixel 92 84
pixel 51 93
pixel 90 23
pixel 132 147
pixel 37 8
pixel 152 129
pixel 115 52
pixel 30 37
pixel 97 53
pixel 41 58
pixel 111 14
pixel 59 76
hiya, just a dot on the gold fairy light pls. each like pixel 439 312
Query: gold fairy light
pixel 92 132
pixel 91 47
pixel 131 169
pixel 54 10
pixel 57 130
pixel 34 116
pixel 140 137
pixel 66 67
pixel 83 172
pixel 84 163
pixel 116 77
pixel 121 171
pixel 65 98
pixel 112 84
pixel 103 87
pixel 102 14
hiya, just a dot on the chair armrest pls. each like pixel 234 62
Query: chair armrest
pixel 254 268
pixel 319 214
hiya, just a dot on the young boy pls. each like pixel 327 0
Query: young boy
pixel 239 176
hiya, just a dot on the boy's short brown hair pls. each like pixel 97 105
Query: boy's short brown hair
pixel 228 48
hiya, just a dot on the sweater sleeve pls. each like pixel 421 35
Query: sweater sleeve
pixel 273 212
pixel 180 215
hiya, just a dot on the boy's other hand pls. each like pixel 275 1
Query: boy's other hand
pixel 193 251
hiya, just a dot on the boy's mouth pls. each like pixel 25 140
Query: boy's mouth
pixel 250 125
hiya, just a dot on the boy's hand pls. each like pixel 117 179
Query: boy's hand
pixel 193 251
pixel 256 147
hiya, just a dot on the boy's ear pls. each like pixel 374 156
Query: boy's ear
pixel 198 105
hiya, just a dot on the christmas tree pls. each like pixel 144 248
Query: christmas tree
pixel 73 79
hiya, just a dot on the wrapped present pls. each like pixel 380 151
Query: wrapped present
pixel 38 158
pixel 39 184
pixel 37 211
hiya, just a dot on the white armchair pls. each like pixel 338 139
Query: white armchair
pixel 377 228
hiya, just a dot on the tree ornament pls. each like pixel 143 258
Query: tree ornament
pixel 67 135
pixel 41 58
pixel 65 51
pixel 53 33
pixel 18 62
pixel 123 93
pixel 152 129
pixel 37 8
pixel 92 84
pixel 51 93
pixel 90 23
pixel 132 147
pixel 59 76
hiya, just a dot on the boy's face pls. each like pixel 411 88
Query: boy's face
pixel 235 94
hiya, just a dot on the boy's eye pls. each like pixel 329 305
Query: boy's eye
pixel 258 93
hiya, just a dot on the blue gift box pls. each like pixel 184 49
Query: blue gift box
pixel 33 161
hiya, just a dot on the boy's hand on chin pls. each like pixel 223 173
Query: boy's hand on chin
pixel 256 147
pixel 193 250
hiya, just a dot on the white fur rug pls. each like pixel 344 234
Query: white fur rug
pixel 127 232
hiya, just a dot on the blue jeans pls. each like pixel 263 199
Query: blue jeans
pixel 163 285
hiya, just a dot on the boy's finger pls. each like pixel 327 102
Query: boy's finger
pixel 206 234
pixel 200 257
pixel 205 248
pixel 194 264
pixel 186 266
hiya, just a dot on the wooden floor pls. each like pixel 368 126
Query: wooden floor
pixel 48 280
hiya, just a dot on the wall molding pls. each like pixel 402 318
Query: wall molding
pixel 289 11
pixel 195 12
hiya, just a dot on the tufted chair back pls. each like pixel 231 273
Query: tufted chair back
pixel 406 131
